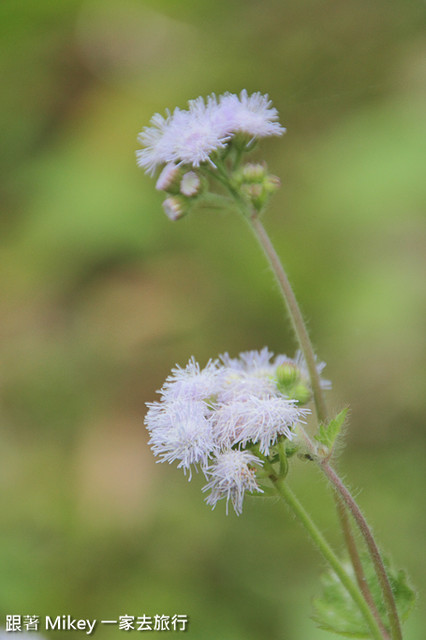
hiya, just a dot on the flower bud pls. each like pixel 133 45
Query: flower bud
pixel 250 173
pixel 190 184
pixel 272 183
pixel 301 393
pixel 256 184
pixel 253 172
pixel 168 180
pixel 254 193
pixel 287 374
pixel 175 207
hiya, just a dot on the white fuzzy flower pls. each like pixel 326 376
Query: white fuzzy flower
pixel 198 132
pixel 253 114
pixel 192 382
pixel 180 430
pixel 256 420
pixel 253 362
pixel 156 142
pixel 184 137
pixel 191 136
pixel 251 374
pixel 230 475
pixel 238 385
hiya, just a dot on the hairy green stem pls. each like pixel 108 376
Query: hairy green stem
pixel 395 626
pixel 294 314
pixel 356 563
pixel 321 543
pixel 302 336
pixel 321 411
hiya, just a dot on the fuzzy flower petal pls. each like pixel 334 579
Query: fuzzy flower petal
pixel 257 362
pixel 240 386
pixel 198 133
pixel 190 136
pixel 192 382
pixel 230 475
pixel 180 430
pixel 184 137
pixel 257 420
pixel 251 374
pixel 156 142
pixel 252 115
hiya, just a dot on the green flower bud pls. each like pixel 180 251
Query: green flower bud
pixel 287 374
pixel 254 193
pixel 255 184
pixel 301 393
pixel 272 184
pixel 253 172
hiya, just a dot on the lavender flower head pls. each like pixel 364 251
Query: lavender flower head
pixel 230 476
pixel 252 115
pixel 192 136
pixel 180 430
pixel 257 420
pixel 193 383
pixel 216 418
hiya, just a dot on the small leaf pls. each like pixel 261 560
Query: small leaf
pixel 291 449
pixel 327 434
pixel 335 610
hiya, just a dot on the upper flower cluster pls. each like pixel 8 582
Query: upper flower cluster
pixel 213 417
pixel 190 136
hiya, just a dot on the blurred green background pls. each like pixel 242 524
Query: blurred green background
pixel 102 295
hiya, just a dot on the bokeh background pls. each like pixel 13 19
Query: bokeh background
pixel 102 295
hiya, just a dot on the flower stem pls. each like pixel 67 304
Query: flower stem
pixel 321 543
pixel 356 563
pixel 321 411
pixel 395 627
pixel 295 315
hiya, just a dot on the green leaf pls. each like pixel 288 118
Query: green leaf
pixel 291 448
pixel 327 434
pixel 334 609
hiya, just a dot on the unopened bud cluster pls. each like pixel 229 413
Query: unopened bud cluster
pixel 256 184
pixel 182 187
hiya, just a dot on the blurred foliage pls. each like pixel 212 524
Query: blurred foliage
pixel 335 612
pixel 102 295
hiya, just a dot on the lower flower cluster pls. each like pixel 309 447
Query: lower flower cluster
pixel 218 418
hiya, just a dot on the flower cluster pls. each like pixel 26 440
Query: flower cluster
pixel 191 136
pixel 219 417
